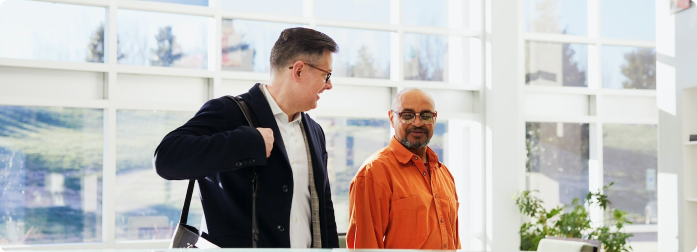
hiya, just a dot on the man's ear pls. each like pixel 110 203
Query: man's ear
pixel 390 114
pixel 298 67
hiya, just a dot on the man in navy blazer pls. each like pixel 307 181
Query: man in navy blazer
pixel 218 149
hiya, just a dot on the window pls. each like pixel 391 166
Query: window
pixel 362 53
pixel 51 169
pixel 159 39
pixel 630 161
pixel 246 45
pixel 56 32
pixel 580 139
pixel 147 206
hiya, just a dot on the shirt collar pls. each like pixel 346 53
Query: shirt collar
pixel 403 154
pixel 275 109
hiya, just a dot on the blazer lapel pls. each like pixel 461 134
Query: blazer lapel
pixel 316 155
pixel 262 111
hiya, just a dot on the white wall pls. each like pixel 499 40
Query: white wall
pixel 676 53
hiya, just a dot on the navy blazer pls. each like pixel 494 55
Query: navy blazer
pixel 218 149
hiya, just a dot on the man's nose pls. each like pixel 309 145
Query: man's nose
pixel 417 121
pixel 328 85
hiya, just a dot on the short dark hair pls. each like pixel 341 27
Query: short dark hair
pixel 300 43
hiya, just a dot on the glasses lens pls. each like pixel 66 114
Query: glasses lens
pixel 426 117
pixel 408 117
pixel 328 75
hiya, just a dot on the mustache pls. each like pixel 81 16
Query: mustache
pixel 415 129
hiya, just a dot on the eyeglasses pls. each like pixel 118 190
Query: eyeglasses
pixel 409 117
pixel 329 74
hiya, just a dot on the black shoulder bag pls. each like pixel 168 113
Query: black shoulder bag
pixel 186 236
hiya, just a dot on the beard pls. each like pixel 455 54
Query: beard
pixel 416 144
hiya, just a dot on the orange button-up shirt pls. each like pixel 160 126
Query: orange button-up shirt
pixel 395 203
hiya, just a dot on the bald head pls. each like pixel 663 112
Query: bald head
pixel 414 95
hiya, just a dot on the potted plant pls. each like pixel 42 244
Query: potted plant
pixel 574 224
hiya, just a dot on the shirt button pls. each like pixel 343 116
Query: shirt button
pixel 441 220
pixel 281 228
pixel 238 164
pixel 417 158
pixel 424 174
pixel 445 245
pixel 436 195
pixel 285 188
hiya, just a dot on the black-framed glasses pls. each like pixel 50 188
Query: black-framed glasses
pixel 329 74
pixel 409 117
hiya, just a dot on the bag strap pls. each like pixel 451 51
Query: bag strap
pixel 190 190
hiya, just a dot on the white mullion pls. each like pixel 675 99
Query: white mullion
pixel 226 14
pixel 96 3
pixel 162 71
pixel 561 119
pixel 482 128
pixel 166 8
pixel 215 32
pixel 109 170
pixel 357 25
pixel 596 171
pixel 561 38
pixel 396 42
pixel 51 102
pixel 55 65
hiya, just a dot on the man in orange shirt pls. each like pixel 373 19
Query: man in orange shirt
pixel 403 197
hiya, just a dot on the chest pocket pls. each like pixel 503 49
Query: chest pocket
pixel 409 217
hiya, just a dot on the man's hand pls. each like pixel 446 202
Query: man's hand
pixel 268 139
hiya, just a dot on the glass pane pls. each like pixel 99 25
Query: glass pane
pixel 51 170
pixel 557 161
pixel 437 143
pixel 349 143
pixel 543 67
pixel 425 57
pixel 189 2
pixel 377 11
pixel 247 44
pixel 147 206
pixel 285 7
pixel 630 160
pixel 629 67
pixel 441 13
pixel 628 19
pixel 362 53
pixel 51 31
pixel 160 39
pixel 556 16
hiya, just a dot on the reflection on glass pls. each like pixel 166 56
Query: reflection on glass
pixel 50 175
pixel 159 39
pixel 362 53
pixel 429 13
pixel 557 161
pixel 629 67
pixel 246 45
pixel 628 19
pixel 349 143
pixel 556 16
pixel 425 57
pixel 147 206
pixel 630 160
pixel 553 64
pixel 355 10
pixel 52 31
pixel 285 7
pixel 437 143
pixel 189 2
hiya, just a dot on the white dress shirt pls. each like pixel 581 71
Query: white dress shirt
pixel 300 218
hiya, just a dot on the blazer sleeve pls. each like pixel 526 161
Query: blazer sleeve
pixel 216 139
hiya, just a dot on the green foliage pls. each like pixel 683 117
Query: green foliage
pixel 573 224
